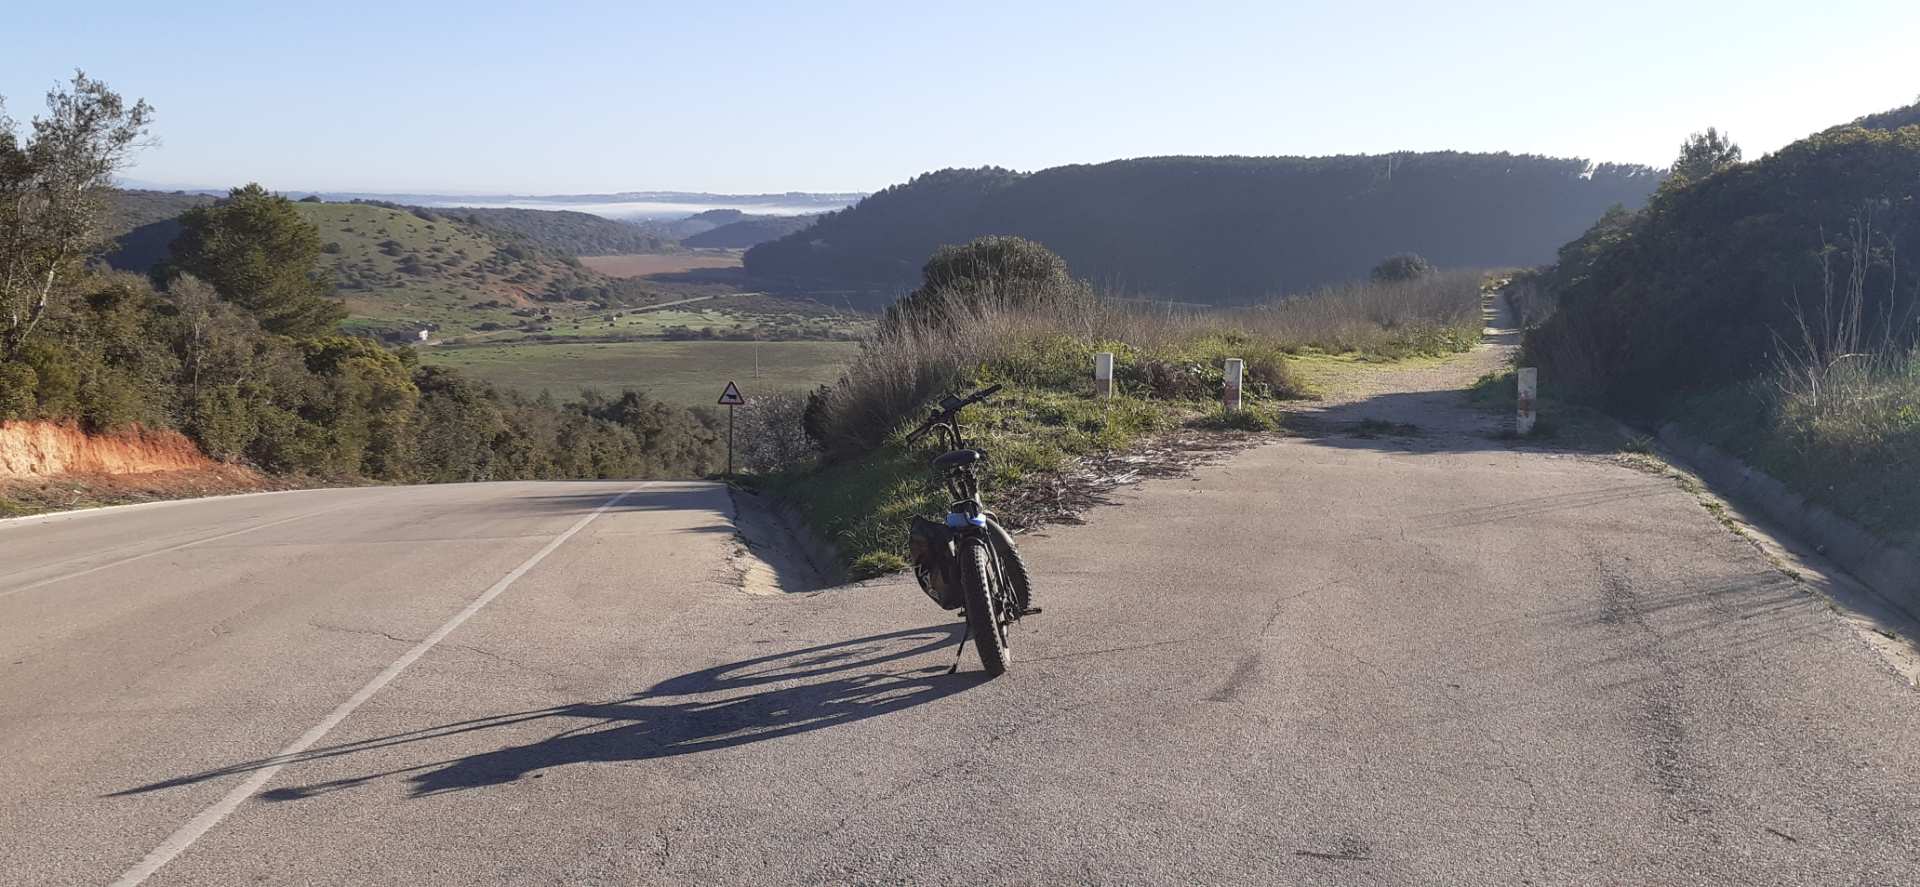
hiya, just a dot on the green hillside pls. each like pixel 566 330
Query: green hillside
pixel 403 270
pixel 565 232
pixel 748 232
pixel 1770 307
pixel 1217 230
pixel 138 225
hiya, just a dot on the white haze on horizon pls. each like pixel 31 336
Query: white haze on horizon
pixel 644 209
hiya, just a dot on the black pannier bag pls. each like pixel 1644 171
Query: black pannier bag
pixel 935 563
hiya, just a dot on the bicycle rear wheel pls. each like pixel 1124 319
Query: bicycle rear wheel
pixel 984 618
pixel 1011 564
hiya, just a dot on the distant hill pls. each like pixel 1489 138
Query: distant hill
pixel 749 202
pixel 416 267
pixel 402 269
pixel 1219 229
pixel 748 232
pixel 140 225
pixel 1887 120
pixel 566 232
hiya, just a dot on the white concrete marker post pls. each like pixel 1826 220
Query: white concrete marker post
pixel 1230 396
pixel 1103 374
pixel 1529 389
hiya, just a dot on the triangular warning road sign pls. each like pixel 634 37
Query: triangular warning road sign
pixel 731 397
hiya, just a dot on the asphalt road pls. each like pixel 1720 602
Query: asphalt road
pixel 1327 660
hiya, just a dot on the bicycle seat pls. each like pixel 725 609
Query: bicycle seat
pixel 958 458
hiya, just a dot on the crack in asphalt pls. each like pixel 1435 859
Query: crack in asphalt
pixel 963 763
pixel 366 631
pixel 517 663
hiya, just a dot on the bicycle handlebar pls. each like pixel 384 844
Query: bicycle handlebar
pixel 949 408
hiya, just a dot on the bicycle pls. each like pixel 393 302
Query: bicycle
pixel 969 561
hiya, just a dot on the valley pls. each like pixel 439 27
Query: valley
pixel 684 373
pixel 524 299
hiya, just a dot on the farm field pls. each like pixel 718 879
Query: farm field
pixel 686 373
pixel 721 315
pixel 674 263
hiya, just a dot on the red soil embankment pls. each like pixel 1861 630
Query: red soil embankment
pixel 51 449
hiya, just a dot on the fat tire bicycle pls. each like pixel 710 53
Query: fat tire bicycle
pixel 969 561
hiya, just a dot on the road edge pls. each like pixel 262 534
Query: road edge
pixel 768 523
pixel 1889 570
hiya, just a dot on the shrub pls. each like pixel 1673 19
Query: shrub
pixel 1403 267
pixel 18 382
pixel 771 435
pixel 1696 292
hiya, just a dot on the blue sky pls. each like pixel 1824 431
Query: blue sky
pixel 741 96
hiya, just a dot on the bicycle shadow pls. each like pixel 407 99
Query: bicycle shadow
pixel 679 716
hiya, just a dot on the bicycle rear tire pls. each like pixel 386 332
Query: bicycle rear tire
pixel 1014 568
pixel 983 609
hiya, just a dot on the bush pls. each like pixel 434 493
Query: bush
pixel 18 382
pixel 1697 292
pixel 771 434
pixel 1400 268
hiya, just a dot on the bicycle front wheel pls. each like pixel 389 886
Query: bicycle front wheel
pixel 984 618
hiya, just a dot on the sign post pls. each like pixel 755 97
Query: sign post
pixel 1103 374
pixel 1529 379
pixel 1230 397
pixel 730 398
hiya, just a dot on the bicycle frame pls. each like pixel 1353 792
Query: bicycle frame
pixel 962 486
pixel 967 514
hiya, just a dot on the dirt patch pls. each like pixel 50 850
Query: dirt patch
pixel 647 265
pixel 19 497
pixel 1061 497
pixel 52 449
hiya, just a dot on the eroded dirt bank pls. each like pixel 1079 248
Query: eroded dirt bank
pixel 49 466
pixel 30 450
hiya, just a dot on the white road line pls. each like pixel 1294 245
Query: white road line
pixel 173 548
pixel 180 840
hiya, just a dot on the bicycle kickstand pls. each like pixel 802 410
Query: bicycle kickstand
pixel 964 634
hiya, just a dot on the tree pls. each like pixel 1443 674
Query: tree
pixel 1703 154
pixel 50 186
pixel 258 253
pixel 1405 266
pixel 992 271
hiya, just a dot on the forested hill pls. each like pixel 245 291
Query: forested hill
pixel 565 232
pixel 1886 121
pixel 748 232
pixel 1220 229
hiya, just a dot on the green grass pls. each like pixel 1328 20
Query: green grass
pixel 1168 372
pixel 720 316
pixel 686 373
pixel 864 506
pixel 1857 451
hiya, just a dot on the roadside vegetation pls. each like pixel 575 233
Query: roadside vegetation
pixel 1769 306
pixel 1001 310
pixel 235 339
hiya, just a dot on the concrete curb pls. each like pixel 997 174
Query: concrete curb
pixel 822 555
pixel 821 558
pixel 1892 571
